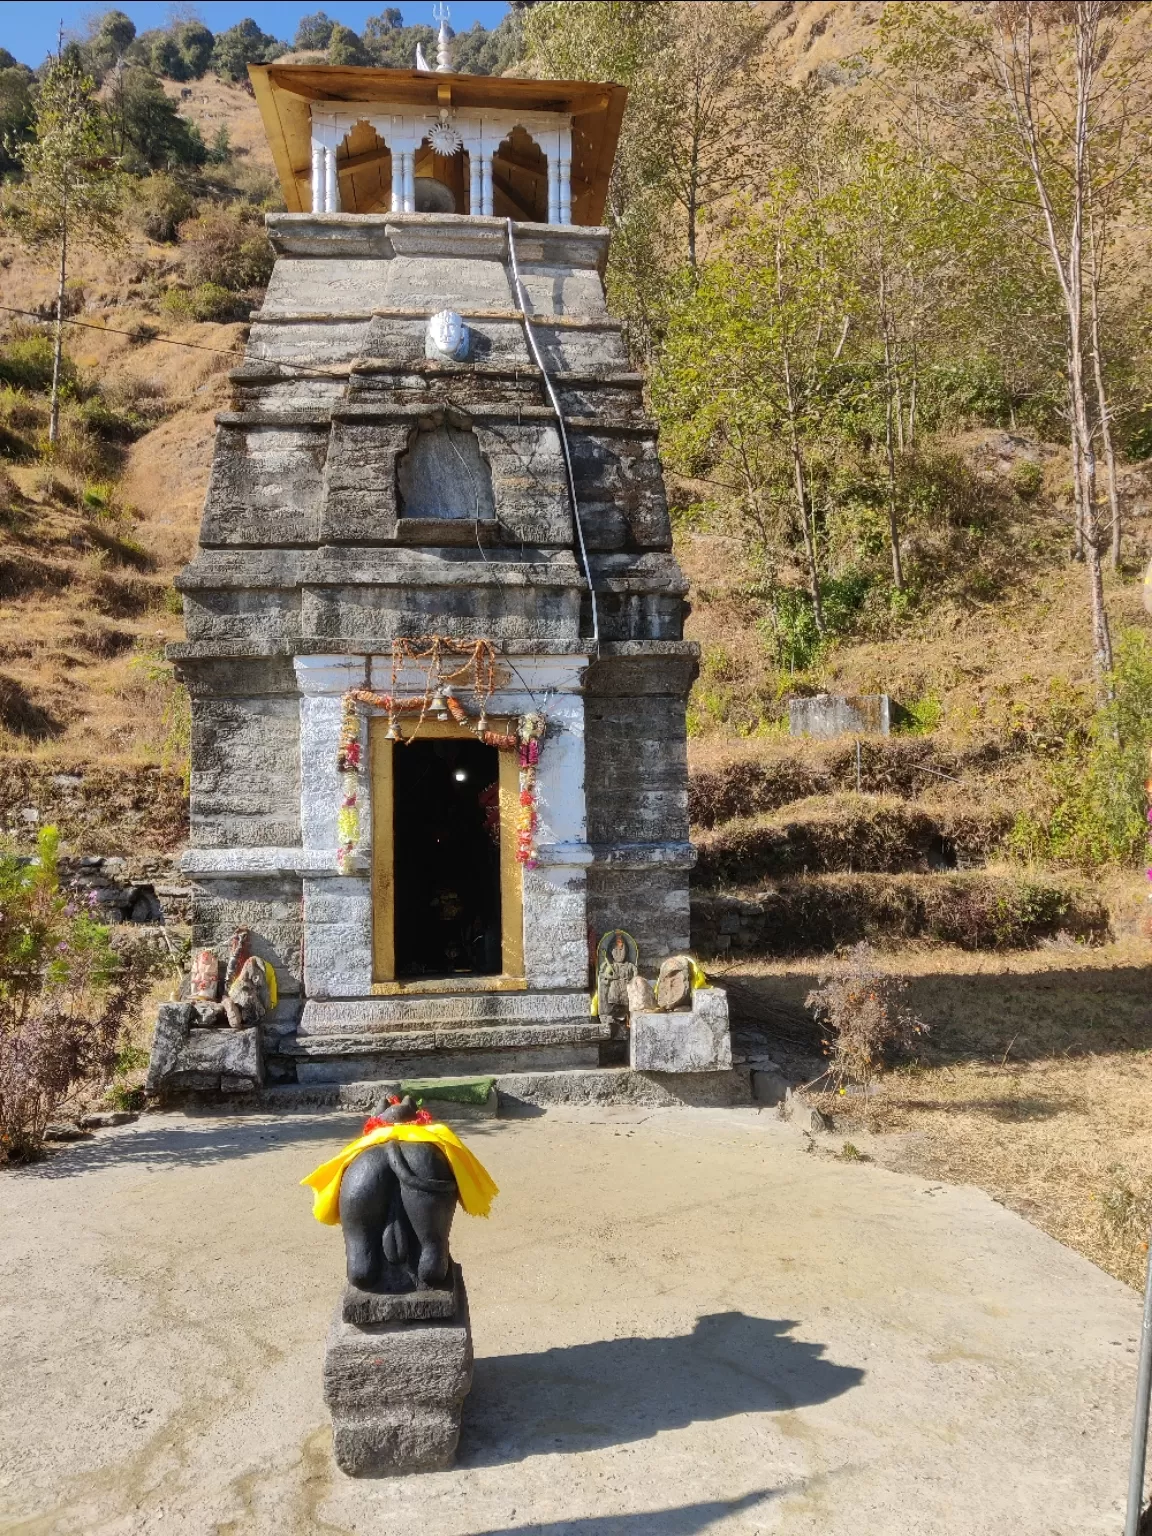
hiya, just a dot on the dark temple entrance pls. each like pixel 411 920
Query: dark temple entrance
pixel 446 840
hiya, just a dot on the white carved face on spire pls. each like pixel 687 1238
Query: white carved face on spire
pixel 447 336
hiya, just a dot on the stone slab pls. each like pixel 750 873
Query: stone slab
pixel 527 1092
pixel 414 1437
pixel 695 1041
pixel 362 1069
pixel 365 1098
pixel 368 1308
pixel 184 1058
pixel 468 1038
pixel 363 1016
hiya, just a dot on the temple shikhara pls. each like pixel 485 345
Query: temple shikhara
pixel 434 623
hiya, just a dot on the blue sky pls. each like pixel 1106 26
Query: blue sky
pixel 28 27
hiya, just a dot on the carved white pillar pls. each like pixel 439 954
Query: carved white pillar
pixel 486 184
pixel 565 177
pixel 331 185
pixel 553 189
pixel 409 181
pixel 475 178
pixel 397 180
pixel 317 176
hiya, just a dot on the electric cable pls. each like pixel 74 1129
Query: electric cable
pixel 521 304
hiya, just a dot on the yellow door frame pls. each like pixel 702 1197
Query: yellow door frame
pixel 380 768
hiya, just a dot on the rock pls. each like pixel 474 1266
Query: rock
pixel 396 1390
pixel 104 1118
pixel 818 1122
pixel 187 1059
pixel 768 1087
pixel 641 996
pixel 64 1130
pixel 698 1041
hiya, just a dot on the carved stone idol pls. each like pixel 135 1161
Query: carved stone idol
pixel 204 983
pixel 247 990
pixel 397 1202
pixel 398 1363
pixel 447 338
pixel 674 984
pixel 616 969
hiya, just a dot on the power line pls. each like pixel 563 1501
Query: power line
pixel 146 335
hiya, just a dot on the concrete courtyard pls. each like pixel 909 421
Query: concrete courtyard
pixel 684 1321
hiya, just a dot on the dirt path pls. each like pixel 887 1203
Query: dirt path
pixel 683 1322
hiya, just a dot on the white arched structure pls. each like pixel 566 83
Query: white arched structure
pixel 482 132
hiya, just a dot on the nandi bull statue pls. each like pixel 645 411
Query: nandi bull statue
pixel 398 1363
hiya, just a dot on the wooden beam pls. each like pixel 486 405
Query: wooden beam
pixel 505 190
pixel 520 164
pixel 366 157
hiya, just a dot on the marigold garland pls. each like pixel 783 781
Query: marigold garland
pixel 440 698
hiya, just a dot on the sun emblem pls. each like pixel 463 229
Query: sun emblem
pixel 444 138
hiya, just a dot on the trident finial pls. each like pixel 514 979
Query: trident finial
pixel 441 13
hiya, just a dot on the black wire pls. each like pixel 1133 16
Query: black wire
pixel 146 335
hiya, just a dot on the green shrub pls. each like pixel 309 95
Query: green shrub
pixel 65 993
pixel 792 629
pixel 1097 811
pixel 208 301
pixel 162 203
pixel 26 363
pixel 1027 478
pixel 227 247
pixel 921 716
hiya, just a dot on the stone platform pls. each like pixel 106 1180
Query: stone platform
pixel 397 1368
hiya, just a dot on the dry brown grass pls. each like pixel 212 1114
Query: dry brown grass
pixel 86 597
pixel 1035 1083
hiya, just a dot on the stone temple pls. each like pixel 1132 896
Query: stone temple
pixel 436 487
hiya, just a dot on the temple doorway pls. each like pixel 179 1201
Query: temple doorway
pixel 446 852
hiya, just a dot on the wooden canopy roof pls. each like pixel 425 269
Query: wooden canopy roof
pixel 284 93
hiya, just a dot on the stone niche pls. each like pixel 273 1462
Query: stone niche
pixel 442 478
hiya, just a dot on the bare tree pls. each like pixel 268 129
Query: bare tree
pixel 1046 106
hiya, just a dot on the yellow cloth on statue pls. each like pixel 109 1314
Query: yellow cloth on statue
pixel 476 1185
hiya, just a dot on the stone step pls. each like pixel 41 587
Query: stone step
pixel 452 1052
pixel 519 1093
pixel 386 1015
pixel 364 1097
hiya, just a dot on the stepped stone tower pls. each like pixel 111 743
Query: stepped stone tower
pixel 436 452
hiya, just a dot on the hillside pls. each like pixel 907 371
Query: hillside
pixel 1029 970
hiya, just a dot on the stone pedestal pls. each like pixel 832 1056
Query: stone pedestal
pixel 691 1040
pixel 397 1368
pixel 186 1058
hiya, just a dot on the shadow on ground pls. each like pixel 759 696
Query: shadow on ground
pixel 191 1141
pixel 188 1142
pixel 685 1520
pixel 588 1396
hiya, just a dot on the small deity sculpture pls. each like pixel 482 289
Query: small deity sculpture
pixel 674 983
pixel 447 338
pixel 394 1192
pixel 249 990
pixel 249 983
pixel 616 969
pixel 204 982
